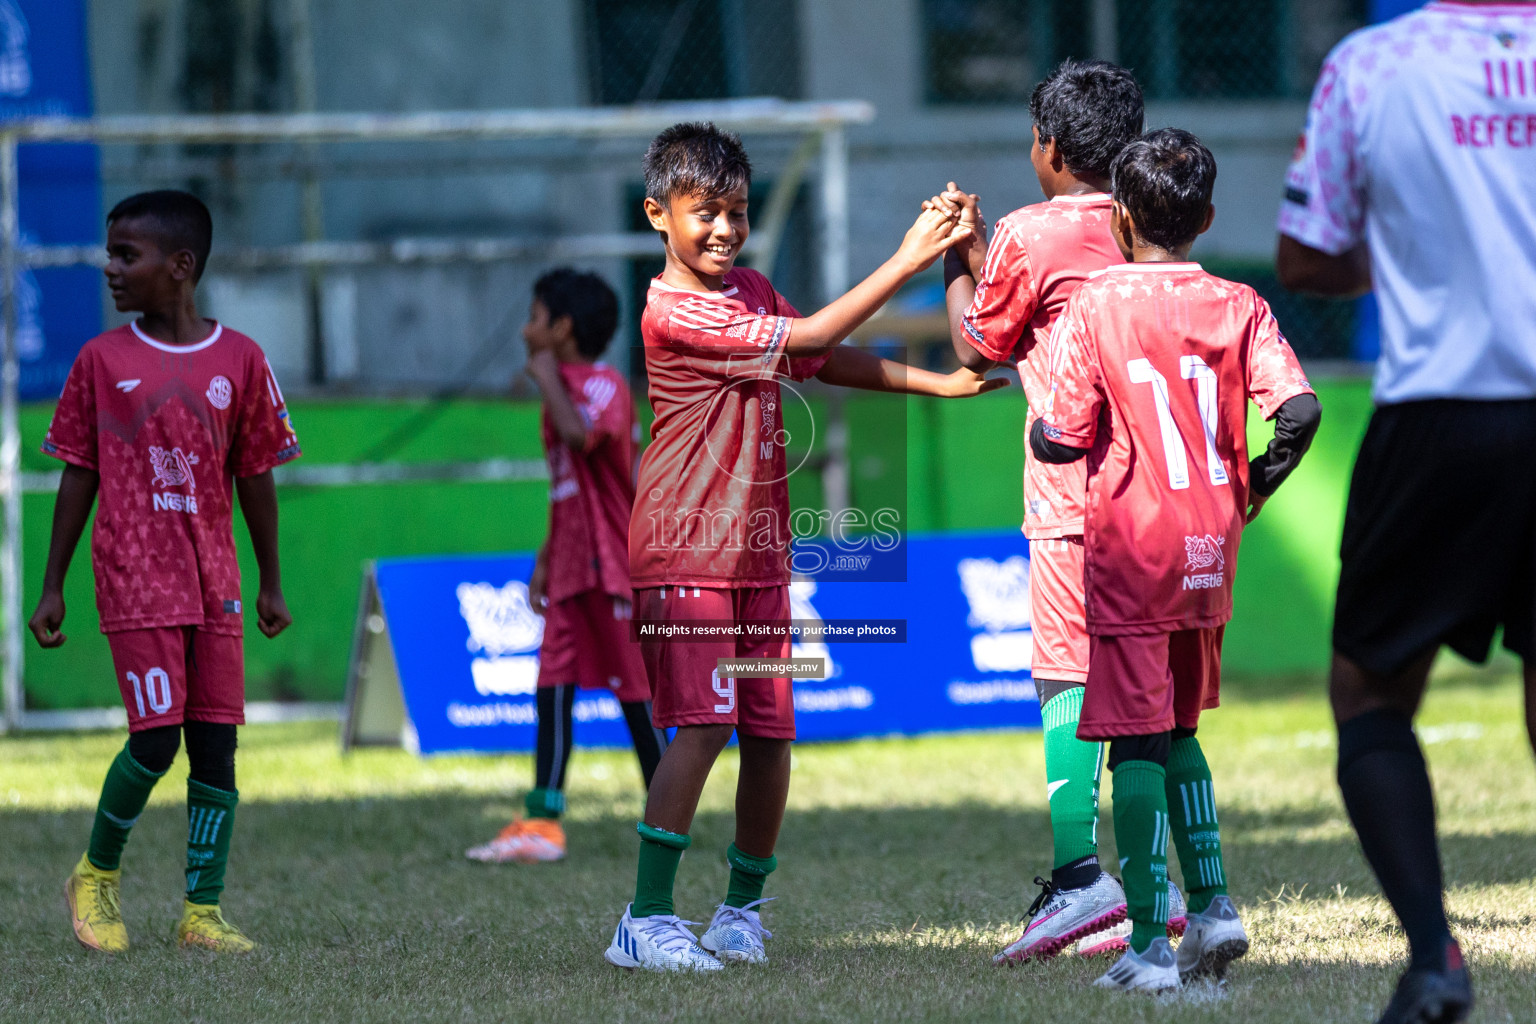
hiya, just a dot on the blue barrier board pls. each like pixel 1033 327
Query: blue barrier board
pixel 466 641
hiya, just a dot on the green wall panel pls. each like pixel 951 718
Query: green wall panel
pixel 962 471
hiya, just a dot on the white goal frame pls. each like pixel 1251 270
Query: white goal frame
pixel 821 126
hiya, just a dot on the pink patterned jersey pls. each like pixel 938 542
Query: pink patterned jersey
pixel 712 502
pixel 1037 257
pixel 591 492
pixel 168 428
pixel 1421 143
pixel 1154 364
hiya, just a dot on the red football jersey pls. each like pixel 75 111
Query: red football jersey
pixel 1153 365
pixel 591 492
pixel 712 502
pixel 168 428
pixel 1036 259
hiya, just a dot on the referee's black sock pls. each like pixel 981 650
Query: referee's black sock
pixel 1387 793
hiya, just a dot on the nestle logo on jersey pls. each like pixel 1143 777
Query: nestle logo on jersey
pixel 173 468
pixel 1204 553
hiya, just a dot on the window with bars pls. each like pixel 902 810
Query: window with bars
pixel 642 51
pixel 994 51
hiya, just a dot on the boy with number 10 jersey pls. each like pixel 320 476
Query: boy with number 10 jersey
pixel 1153 364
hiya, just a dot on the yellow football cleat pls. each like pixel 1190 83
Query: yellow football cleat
pixel 94 909
pixel 203 927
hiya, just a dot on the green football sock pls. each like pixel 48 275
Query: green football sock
pixel 660 852
pixel 123 796
pixel 1196 835
pixel 210 820
pixel 748 874
pixel 1141 836
pixel 1072 779
pixel 544 803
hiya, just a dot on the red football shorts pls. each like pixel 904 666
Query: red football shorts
pixel 172 674
pixel 1142 685
pixel 687 688
pixel 587 642
pixel 1056 609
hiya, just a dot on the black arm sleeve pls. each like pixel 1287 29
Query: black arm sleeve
pixel 1296 424
pixel 1050 451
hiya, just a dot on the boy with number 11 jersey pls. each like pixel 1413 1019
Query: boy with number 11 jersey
pixel 1153 364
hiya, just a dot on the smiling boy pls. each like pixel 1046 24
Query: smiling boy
pixel 709 538
pixel 167 418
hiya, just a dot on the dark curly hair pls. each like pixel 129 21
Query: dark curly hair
pixel 1092 109
pixel 1165 179
pixel 587 300
pixel 695 158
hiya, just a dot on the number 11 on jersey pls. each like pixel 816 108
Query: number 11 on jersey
pixel 1194 368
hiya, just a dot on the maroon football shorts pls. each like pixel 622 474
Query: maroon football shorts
pixel 1143 685
pixel 1058 620
pixel 172 674
pixel 587 641
pixel 687 688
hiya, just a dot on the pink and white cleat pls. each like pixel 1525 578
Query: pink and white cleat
pixel 1060 917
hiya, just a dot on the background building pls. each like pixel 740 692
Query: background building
pixel 949 79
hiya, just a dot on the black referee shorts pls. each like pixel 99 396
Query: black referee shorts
pixel 1440 534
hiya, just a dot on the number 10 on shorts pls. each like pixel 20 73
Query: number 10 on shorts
pixel 157 683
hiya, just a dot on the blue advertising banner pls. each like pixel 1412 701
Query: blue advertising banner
pixel 466 640
pixel 45 71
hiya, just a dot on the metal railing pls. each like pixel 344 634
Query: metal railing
pixel 822 124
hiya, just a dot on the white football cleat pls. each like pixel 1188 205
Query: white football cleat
pixel 1152 971
pixel 1059 917
pixel 736 934
pixel 658 943
pixel 1214 939
pixel 1117 938
pixel 1110 941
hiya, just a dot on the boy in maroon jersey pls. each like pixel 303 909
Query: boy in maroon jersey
pixel 1004 295
pixel 581 579
pixel 1153 364
pixel 166 419
pixel 709 538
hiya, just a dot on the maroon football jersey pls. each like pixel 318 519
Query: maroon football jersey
pixel 168 428
pixel 591 492
pixel 1038 256
pixel 1153 365
pixel 712 502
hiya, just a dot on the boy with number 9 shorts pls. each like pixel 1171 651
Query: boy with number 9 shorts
pixel 165 420
pixel 1152 367
pixel 709 537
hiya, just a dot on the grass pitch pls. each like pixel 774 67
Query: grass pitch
pixel 905 864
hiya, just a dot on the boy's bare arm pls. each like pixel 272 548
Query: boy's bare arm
pixel 851 367
pixel 258 503
pixel 962 269
pixel 926 241
pixel 544 368
pixel 77 492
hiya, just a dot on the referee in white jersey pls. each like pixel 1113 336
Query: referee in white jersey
pixel 1417 173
